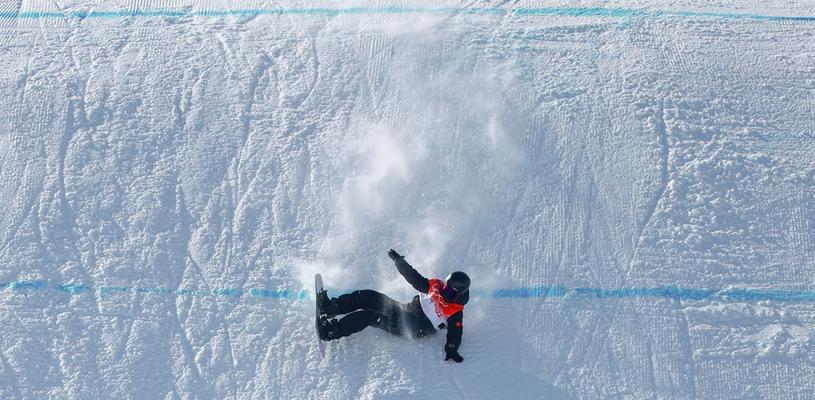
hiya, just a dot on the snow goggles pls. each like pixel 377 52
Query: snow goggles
pixel 449 293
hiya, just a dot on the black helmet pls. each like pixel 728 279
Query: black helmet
pixel 459 282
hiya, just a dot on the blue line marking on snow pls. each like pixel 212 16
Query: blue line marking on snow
pixel 26 285
pixel 107 290
pixel 279 294
pixel 72 289
pixel 228 292
pixel 666 292
pixel 333 12
pixel 542 291
pixel 761 295
pixel 193 293
pixel 153 290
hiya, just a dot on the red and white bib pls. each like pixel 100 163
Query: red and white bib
pixel 434 306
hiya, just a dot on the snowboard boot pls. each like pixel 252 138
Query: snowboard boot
pixel 328 328
pixel 328 307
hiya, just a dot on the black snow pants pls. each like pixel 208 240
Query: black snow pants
pixel 364 308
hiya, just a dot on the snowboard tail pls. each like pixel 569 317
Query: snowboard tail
pixel 318 287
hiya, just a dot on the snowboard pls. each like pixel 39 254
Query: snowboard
pixel 318 287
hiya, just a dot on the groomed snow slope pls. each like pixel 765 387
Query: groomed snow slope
pixel 630 185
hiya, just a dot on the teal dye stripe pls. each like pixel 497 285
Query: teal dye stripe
pixel 72 289
pixel 279 294
pixel 543 291
pixel 153 290
pixel 192 293
pixel 333 12
pixel 585 12
pixel 228 292
pixel 667 292
pixel 25 285
pixel 107 290
pixel 760 295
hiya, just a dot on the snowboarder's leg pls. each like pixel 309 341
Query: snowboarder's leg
pixel 364 308
pixel 326 306
pixel 327 328
pixel 361 319
pixel 365 300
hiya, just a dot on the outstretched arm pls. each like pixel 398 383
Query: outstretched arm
pixel 413 277
pixel 455 328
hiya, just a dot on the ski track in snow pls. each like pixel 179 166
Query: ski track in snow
pixel 630 185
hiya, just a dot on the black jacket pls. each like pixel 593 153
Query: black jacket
pixel 454 324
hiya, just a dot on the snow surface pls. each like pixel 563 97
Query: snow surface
pixel 630 184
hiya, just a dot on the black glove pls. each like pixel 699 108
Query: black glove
pixel 394 255
pixel 453 355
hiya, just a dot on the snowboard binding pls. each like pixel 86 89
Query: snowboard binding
pixel 325 305
pixel 327 329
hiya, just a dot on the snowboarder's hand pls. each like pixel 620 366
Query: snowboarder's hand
pixel 394 255
pixel 453 355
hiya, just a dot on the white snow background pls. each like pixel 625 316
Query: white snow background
pixel 630 185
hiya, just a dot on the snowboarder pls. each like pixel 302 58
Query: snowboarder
pixel 439 305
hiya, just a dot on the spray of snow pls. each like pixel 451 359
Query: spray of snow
pixel 404 176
